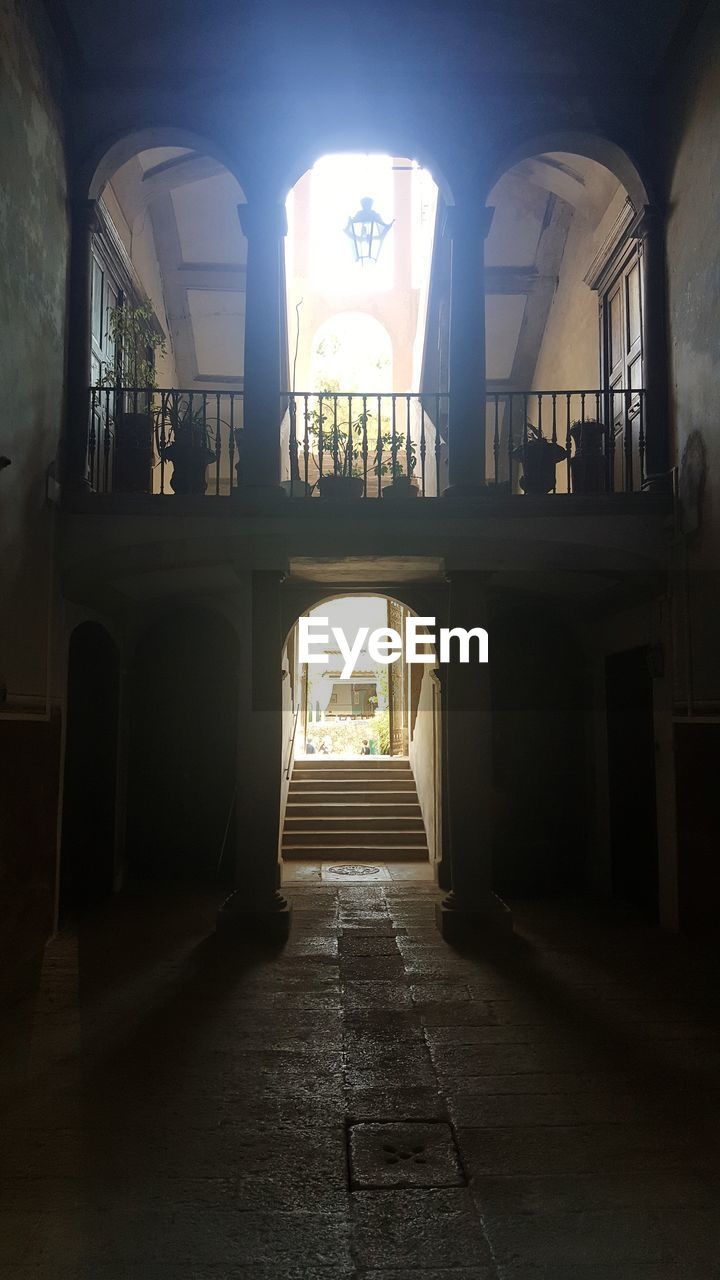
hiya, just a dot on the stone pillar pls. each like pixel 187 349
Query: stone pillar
pixel 650 231
pixel 74 470
pixel 468 229
pixel 257 906
pixel 264 226
pixel 471 904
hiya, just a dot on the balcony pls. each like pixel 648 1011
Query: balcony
pixel 165 443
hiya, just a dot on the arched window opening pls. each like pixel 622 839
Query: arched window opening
pixel 167 320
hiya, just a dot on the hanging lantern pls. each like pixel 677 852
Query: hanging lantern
pixel 367 231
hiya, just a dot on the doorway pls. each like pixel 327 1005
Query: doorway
pixel 631 779
pixel 183 749
pixel 87 845
pixel 361 781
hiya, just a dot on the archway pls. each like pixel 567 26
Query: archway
pixel 352 351
pixel 87 847
pixel 183 749
pixel 168 262
pixel 565 305
pixel 363 758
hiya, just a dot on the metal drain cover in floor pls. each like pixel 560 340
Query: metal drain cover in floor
pixel 406 1154
pixel 355 869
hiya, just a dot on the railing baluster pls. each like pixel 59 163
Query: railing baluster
pixel 568 438
pixel 393 438
pixel 364 446
pixel 306 443
pixel 92 432
pixel 216 443
pixel 231 440
pixel 423 445
pixel 496 436
pixel 524 431
pixel 553 435
pixel 408 436
pixel 438 446
pixel 628 430
pixel 379 448
pixel 641 436
pixel 293 444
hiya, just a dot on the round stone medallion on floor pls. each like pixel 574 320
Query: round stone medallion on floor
pixel 354 869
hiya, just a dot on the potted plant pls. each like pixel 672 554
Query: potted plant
pixel 403 483
pixel 539 457
pixel 188 446
pixel 587 466
pixel 137 340
pixel 342 444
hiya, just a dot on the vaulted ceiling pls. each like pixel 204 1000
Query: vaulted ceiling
pixel 192 201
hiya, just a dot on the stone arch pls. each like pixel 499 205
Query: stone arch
pixel 371 142
pixel 110 154
pixel 373 329
pixel 591 146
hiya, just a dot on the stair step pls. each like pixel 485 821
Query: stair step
pixel 358 809
pixel 318 777
pixel 356 822
pixel 354 786
pixel 367 763
pixel 314 838
pixel 358 853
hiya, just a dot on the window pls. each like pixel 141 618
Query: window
pixel 622 329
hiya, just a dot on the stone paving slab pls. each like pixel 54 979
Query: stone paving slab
pixel 418 1229
pixel 403 1154
pixel 183 1110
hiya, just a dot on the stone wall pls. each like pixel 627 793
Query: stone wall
pixel 33 264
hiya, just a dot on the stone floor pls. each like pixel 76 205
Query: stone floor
pixel 365 1103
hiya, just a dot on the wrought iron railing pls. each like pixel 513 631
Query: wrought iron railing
pixel 370 445
pixel 148 440
pixel 581 441
pixel 365 444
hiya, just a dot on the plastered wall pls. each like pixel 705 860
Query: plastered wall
pixel 693 275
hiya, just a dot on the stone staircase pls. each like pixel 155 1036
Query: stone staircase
pixel 362 809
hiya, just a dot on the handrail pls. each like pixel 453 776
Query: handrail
pixel 291 752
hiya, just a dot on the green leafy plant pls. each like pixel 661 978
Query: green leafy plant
pixel 187 425
pixel 137 340
pixel 342 441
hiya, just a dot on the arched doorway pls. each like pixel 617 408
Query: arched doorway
pixel 87 848
pixel 362 767
pixel 183 749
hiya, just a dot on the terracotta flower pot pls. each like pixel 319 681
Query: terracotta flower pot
pixel 400 488
pixel 190 462
pixel 539 459
pixel 333 486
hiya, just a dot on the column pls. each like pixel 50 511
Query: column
pixel 471 905
pixel 264 226
pixel 257 906
pixel 468 229
pixel 74 469
pixel 650 230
